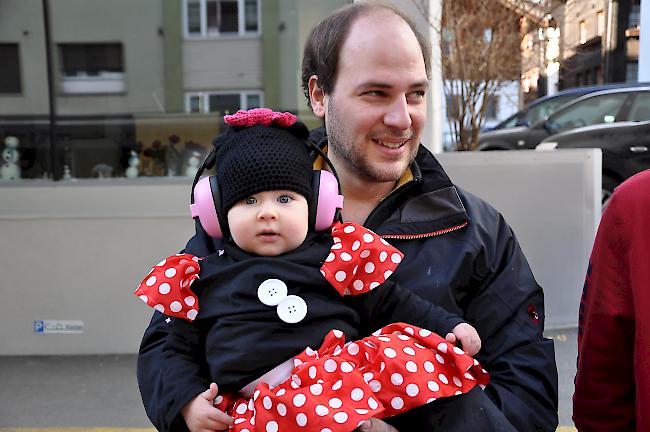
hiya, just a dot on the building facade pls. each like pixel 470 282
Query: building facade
pixel 600 42
pixel 91 88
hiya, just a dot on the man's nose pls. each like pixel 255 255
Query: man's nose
pixel 398 115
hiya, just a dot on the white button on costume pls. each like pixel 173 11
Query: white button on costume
pixel 272 291
pixel 290 308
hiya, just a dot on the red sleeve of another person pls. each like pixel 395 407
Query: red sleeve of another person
pixel 612 386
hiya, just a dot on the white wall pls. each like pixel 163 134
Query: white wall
pixel 77 252
pixel 222 64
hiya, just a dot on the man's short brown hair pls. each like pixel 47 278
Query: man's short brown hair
pixel 323 47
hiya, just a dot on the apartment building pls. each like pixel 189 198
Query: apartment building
pixel 600 41
pixel 85 83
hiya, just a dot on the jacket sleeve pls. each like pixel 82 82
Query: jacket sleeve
pixel 604 398
pixel 158 394
pixel 390 303
pixel 507 310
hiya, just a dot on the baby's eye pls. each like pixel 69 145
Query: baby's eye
pixel 284 199
pixel 250 200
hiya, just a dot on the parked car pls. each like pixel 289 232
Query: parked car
pixel 607 106
pixel 625 147
pixel 547 105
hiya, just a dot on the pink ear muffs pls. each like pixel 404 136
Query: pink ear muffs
pixel 204 208
pixel 329 200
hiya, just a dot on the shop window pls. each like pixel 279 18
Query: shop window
pixel 92 68
pixel 10 81
pixel 208 18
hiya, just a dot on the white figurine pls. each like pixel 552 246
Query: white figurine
pixel 10 157
pixel 134 162
pixel 192 165
pixel 67 175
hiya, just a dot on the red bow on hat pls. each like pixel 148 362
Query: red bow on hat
pixel 263 116
pixel 359 260
pixel 167 287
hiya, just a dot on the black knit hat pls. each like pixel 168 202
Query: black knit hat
pixel 258 158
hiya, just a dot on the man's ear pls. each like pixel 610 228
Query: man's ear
pixel 316 97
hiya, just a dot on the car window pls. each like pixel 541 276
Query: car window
pixel 511 122
pixel 593 110
pixel 640 109
pixel 548 107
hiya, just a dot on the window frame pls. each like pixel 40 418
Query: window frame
pixel 203 22
pixel 204 99
pixel 82 82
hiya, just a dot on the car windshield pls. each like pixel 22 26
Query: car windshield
pixel 547 107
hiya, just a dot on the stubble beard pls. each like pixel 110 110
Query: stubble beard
pixel 342 144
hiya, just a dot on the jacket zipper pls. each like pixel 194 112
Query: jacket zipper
pixel 417 236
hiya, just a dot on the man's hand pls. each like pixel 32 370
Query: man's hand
pixel 376 425
pixel 468 337
pixel 201 416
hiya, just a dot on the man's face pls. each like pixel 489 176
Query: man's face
pixel 377 109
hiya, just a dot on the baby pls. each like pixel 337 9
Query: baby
pixel 299 326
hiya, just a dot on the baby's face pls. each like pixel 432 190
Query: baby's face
pixel 269 223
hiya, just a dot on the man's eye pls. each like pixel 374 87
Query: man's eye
pixel 250 200
pixel 284 199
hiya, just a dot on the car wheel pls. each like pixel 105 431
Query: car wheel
pixel 609 184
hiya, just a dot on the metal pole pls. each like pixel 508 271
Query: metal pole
pixel 50 90
pixel 644 42
pixel 433 131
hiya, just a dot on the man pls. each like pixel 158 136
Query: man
pixel 613 376
pixel 365 73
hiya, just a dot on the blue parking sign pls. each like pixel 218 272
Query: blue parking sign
pixel 38 326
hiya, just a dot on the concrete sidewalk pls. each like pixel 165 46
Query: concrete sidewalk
pixel 100 393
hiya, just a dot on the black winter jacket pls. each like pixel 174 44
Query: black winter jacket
pixel 459 254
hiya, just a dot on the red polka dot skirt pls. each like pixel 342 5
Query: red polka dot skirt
pixel 342 384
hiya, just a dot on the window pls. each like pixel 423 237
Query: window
pixel 492 109
pixel 631 71
pixel 205 18
pixel 583 32
pixel 91 68
pixel 9 68
pixel 601 23
pixel 634 18
pixel 546 108
pixel 593 110
pixel 222 102
pixel 640 110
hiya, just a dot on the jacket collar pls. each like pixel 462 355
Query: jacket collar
pixel 424 203
pixel 428 205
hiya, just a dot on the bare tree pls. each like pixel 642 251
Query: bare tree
pixel 481 52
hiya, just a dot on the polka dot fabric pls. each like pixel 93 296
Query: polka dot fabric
pixel 359 260
pixel 342 384
pixel 167 287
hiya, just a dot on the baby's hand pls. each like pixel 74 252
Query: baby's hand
pixel 467 336
pixel 201 416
